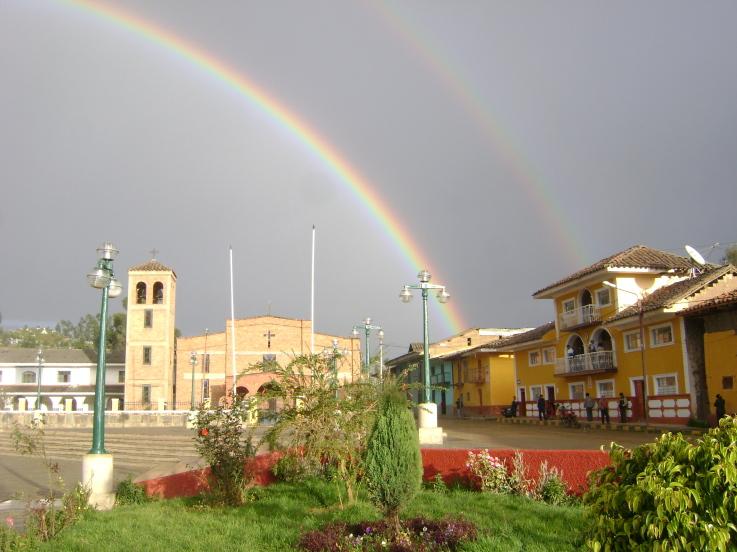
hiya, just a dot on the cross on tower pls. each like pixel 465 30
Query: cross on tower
pixel 154 252
pixel 268 335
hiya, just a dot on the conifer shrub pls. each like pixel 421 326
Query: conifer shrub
pixel 393 464
pixel 668 495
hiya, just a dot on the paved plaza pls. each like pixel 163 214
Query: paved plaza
pixel 27 477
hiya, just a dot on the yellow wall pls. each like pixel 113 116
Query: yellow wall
pixel 497 387
pixel 721 361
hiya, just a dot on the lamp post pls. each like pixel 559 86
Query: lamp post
pixel 193 361
pixel 640 315
pixel 334 361
pixel 367 326
pixel 40 361
pixel 381 355
pixel 97 465
pixel 428 414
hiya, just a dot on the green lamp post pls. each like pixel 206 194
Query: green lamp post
pixel 367 327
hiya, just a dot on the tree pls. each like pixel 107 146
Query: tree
pixel 393 465
pixel 730 255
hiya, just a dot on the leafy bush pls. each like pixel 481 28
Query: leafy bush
pixel 518 482
pixel 488 472
pixel 128 492
pixel 393 464
pixel 293 467
pixel 550 486
pixel 437 484
pixel 668 495
pixel 222 441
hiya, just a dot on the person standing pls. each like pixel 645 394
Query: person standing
pixel 622 405
pixel 589 405
pixel 721 407
pixel 604 410
pixel 541 408
pixel 514 407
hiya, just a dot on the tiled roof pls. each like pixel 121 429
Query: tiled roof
pixel 17 355
pixel 533 335
pixel 668 295
pixel 638 256
pixel 151 266
pixel 725 299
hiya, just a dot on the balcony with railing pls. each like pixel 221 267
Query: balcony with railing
pixel 588 363
pixel 577 318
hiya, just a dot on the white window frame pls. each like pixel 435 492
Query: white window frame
pixel 67 373
pixel 571 302
pixel 533 398
pixel 609 295
pixel 570 390
pixel 655 383
pixel 529 357
pixel 598 389
pixel 549 349
pixel 626 345
pixel 652 331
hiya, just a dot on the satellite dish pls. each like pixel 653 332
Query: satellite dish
pixel 695 255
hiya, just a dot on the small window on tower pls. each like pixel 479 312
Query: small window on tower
pixel 158 293
pixel 148 318
pixel 141 293
pixel 146 394
pixel 147 355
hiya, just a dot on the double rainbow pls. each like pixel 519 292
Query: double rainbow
pixel 329 156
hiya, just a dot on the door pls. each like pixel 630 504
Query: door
pixel 522 405
pixel 638 411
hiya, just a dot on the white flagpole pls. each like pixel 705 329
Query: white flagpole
pixel 232 319
pixel 312 297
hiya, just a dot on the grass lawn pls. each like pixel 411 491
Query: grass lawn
pixel 275 521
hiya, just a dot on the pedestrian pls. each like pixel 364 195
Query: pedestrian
pixel 442 405
pixel 541 408
pixel 721 407
pixel 604 410
pixel 458 407
pixel 622 405
pixel 589 405
pixel 514 407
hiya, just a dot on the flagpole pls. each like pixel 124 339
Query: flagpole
pixel 232 319
pixel 312 297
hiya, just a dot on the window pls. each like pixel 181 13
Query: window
pixel 549 355
pixel 206 364
pixel 121 376
pixel 632 341
pixel 536 391
pixel 666 385
pixel 602 297
pixel 661 335
pixel 605 388
pixel 534 358
pixel 148 318
pixel 147 355
pixel 576 391
pixel 158 293
pixel 141 293
pixel 205 389
pixel 29 377
pixel 569 305
pixel 63 376
pixel 727 382
pixel 468 341
pixel 146 394
pixel 1 375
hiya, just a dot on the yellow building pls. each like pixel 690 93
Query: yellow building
pixel 594 346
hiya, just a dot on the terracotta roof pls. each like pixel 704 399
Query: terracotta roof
pixel 151 266
pixel 18 355
pixel 668 295
pixel 534 334
pixel 637 256
pixel 725 299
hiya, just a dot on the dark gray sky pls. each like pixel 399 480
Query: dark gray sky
pixel 516 141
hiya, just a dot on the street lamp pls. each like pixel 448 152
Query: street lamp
pixel 381 355
pixel 97 465
pixel 367 326
pixel 193 361
pixel 640 297
pixel 40 361
pixel 335 365
pixel 428 414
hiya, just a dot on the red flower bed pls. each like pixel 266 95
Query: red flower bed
pixel 449 463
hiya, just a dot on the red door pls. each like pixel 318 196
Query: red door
pixel 522 411
pixel 638 412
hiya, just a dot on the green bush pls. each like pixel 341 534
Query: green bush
pixel 550 486
pixel 128 492
pixel 668 495
pixel 293 467
pixel 393 464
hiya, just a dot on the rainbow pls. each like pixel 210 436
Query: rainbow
pixel 547 204
pixel 360 187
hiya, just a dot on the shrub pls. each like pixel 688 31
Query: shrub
pixel 668 495
pixel 393 464
pixel 519 484
pixel 221 440
pixel 550 486
pixel 128 492
pixel 489 472
pixel 437 484
pixel 293 467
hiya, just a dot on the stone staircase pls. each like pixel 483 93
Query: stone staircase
pixel 134 450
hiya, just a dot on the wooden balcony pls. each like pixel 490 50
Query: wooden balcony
pixel 588 363
pixel 580 317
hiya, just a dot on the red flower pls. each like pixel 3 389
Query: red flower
pixel 204 432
